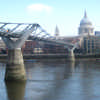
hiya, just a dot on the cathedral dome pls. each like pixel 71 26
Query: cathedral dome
pixel 85 20
pixel 86 27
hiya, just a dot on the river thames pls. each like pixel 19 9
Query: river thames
pixel 54 79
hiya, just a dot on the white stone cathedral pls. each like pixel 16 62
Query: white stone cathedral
pixel 86 27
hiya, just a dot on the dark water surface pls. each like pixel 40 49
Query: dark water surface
pixel 54 80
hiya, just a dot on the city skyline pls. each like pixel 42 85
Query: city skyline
pixel 65 14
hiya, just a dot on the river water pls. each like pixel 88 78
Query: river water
pixel 54 80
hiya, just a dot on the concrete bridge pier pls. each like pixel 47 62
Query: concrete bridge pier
pixel 15 66
pixel 71 56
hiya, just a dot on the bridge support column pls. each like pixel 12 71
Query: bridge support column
pixel 15 66
pixel 71 56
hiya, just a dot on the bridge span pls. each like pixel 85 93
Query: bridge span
pixel 14 36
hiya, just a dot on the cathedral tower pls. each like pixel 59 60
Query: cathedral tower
pixel 56 31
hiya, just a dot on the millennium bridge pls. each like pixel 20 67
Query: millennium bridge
pixel 14 36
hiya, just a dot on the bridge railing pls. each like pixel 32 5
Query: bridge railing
pixel 16 27
pixel 15 30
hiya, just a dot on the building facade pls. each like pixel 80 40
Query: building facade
pixel 90 43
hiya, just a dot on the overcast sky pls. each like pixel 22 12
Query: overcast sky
pixel 66 14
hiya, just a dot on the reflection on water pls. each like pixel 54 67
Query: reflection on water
pixel 15 90
pixel 49 70
pixel 54 80
pixel 45 77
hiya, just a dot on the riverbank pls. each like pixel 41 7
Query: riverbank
pixel 54 56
